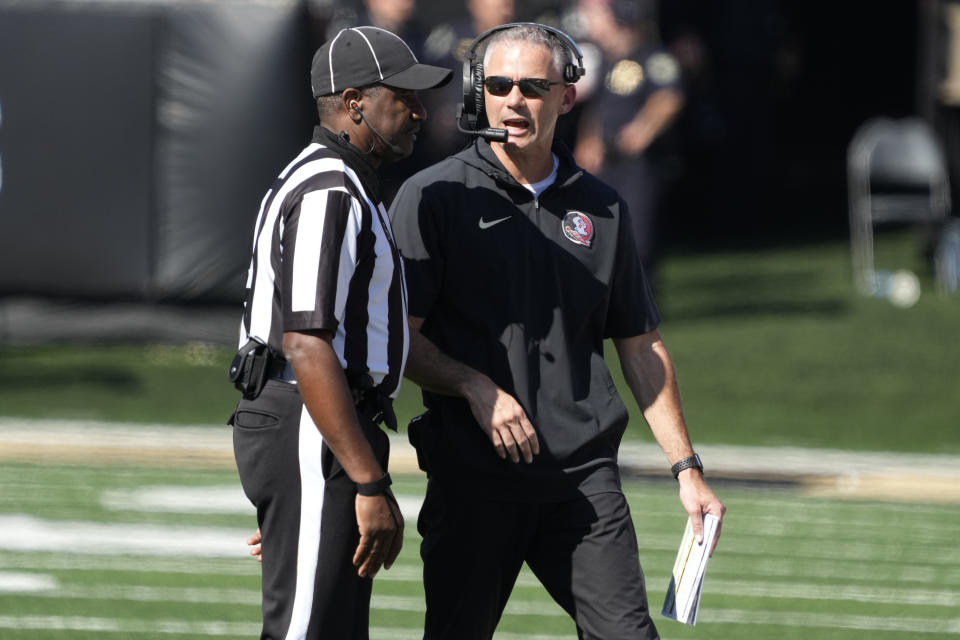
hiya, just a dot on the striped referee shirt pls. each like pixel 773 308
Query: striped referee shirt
pixel 324 258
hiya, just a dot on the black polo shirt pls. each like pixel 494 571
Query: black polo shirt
pixel 525 290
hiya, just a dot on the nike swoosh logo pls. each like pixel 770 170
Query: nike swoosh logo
pixel 486 225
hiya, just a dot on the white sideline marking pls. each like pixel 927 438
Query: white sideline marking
pixel 11 582
pixel 126 625
pixel 830 621
pixel 181 627
pixel 713 616
pixel 221 499
pixel 763 569
pixel 225 499
pixel 27 533
pixel 26 582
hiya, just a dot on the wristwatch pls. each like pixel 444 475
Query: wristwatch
pixel 376 487
pixel 693 462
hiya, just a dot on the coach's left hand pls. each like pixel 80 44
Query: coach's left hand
pixel 698 499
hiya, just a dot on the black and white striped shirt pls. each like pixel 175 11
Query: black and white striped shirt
pixel 324 258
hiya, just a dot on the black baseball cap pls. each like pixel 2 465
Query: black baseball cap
pixel 361 56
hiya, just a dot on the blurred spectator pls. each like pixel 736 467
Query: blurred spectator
pixel 396 16
pixel 445 47
pixel 623 137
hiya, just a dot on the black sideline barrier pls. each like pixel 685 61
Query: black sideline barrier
pixel 137 139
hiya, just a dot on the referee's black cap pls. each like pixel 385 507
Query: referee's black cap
pixel 361 56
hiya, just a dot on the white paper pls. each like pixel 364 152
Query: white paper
pixel 682 601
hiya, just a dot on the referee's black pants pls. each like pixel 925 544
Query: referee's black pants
pixel 306 512
pixel 583 550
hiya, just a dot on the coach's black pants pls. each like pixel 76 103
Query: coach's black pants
pixel 306 513
pixel 583 550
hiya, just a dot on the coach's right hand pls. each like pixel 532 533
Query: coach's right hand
pixel 381 533
pixel 503 420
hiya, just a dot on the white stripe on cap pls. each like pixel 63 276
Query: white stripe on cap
pixel 333 88
pixel 374 53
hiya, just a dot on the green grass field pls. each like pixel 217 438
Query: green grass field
pixel 787 566
pixel 772 348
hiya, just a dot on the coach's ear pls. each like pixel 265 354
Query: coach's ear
pixel 569 98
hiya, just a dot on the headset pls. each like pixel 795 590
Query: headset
pixel 397 150
pixel 470 115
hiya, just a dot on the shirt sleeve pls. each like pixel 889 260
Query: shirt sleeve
pixel 319 258
pixel 418 231
pixel 632 310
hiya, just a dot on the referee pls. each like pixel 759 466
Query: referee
pixel 323 344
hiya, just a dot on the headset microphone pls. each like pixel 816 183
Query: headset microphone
pixel 394 148
pixel 487 133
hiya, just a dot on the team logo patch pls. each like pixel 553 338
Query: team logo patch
pixel 578 228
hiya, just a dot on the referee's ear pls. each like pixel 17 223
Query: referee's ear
pixel 349 98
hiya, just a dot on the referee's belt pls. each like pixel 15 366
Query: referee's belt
pixel 370 403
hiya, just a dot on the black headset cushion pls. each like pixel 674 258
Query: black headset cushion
pixel 478 88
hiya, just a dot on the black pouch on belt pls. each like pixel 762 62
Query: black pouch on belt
pixel 248 371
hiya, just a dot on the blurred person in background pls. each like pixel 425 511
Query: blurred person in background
pixel 624 133
pixel 445 47
pixel 398 16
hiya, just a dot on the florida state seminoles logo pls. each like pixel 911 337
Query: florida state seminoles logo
pixel 578 228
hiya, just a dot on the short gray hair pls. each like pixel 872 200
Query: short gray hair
pixel 534 35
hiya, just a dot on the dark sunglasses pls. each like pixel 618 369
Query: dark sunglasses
pixel 529 87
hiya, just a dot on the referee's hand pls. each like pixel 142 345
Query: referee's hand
pixel 381 533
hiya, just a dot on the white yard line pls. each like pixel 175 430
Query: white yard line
pixel 42 585
pixel 859 474
pixel 28 533
pixel 908 625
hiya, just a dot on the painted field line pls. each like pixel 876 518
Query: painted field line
pixel 168 627
pixel 412 571
pixel 23 583
pixel 820 569
pixel 39 585
pixel 132 564
pixel 820 549
pixel 229 499
pixel 909 626
pixel 221 499
pixel 28 533
pixel 251 597
pixel 832 593
pixel 129 626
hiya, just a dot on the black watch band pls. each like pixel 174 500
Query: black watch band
pixel 693 462
pixel 375 488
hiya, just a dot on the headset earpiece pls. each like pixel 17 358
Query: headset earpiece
pixel 478 90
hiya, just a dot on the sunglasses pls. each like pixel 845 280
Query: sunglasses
pixel 529 87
